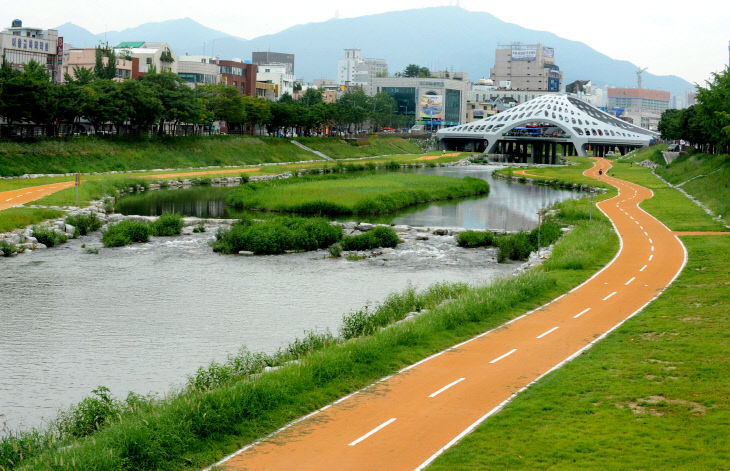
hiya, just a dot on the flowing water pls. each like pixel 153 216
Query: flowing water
pixel 143 317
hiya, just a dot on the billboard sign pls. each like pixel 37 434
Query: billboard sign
pixel 478 113
pixel 431 106
pixel 548 52
pixel 524 53
pixel 554 84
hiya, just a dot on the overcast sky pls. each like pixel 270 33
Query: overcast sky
pixel 689 39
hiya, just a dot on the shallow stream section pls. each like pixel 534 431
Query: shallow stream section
pixel 141 318
pixel 145 316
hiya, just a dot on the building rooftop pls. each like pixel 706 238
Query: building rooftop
pixel 129 44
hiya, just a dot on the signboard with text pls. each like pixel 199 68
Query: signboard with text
pixel 524 53
pixel 548 52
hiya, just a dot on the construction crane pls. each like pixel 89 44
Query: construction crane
pixel 638 75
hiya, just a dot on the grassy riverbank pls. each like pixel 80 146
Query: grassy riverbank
pixel 358 194
pixel 372 146
pixel 704 176
pixel 13 218
pixel 652 395
pixel 226 406
pixel 90 154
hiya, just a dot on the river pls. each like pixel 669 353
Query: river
pixel 143 317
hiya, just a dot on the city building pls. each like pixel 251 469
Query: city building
pixel 526 67
pixel 19 45
pixel 277 75
pixel 157 56
pixel 430 102
pixel 85 58
pixel 239 74
pixel 477 111
pixel 266 91
pixel 356 71
pixel 271 58
pixel 586 91
pixel 197 70
pixel 643 106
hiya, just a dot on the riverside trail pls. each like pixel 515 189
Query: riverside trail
pixel 405 421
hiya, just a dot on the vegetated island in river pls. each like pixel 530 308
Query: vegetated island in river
pixel 337 195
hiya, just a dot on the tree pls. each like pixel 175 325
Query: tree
pixel 223 103
pixel 179 103
pixel 105 69
pixel 145 108
pixel 412 70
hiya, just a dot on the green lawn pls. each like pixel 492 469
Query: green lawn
pixel 13 218
pixel 358 194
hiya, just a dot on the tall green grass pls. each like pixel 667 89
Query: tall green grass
pixel 277 235
pixel 359 194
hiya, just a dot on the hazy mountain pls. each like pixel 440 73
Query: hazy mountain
pixel 437 37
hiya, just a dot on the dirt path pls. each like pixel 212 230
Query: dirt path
pixel 405 421
pixel 8 199
pixel 211 172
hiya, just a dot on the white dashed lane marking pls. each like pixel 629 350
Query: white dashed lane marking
pixel 446 387
pixel 545 333
pixel 375 430
pixel 503 356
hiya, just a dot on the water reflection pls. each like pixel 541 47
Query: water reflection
pixel 509 206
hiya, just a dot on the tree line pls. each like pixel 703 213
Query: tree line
pixel 161 103
pixel 705 125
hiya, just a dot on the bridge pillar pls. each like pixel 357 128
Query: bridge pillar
pixel 534 152
pixel 553 151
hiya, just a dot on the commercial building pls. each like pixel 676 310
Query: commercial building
pixel 428 101
pixel 152 55
pixel 277 75
pixel 643 106
pixel 280 58
pixel 355 71
pixel 239 74
pixel 197 70
pixel 477 111
pixel 85 58
pixel 527 67
pixel 19 45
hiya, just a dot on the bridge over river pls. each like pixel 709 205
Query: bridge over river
pixel 538 129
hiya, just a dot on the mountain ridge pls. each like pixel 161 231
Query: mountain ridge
pixel 437 37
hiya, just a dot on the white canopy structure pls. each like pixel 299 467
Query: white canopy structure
pixel 542 123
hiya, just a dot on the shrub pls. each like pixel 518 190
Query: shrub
pixel 168 224
pixel 277 235
pixel 48 237
pixel 84 223
pixel 381 236
pixel 335 250
pixel 7 248
pixel 126 232
pixel 475 239
pixel 549 233
pixel 514 246
pixel 90 414
pixel 392 165
pixel 200 227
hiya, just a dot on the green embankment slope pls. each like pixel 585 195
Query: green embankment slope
pixel 90 154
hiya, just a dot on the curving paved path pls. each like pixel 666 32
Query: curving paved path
pixel 403 422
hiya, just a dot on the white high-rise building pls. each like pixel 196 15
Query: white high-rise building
pixel 353 70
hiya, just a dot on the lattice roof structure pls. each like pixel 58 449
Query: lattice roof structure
pixel 565 118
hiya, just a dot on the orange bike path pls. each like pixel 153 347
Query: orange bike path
pixel 8 199
pixel 404 421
